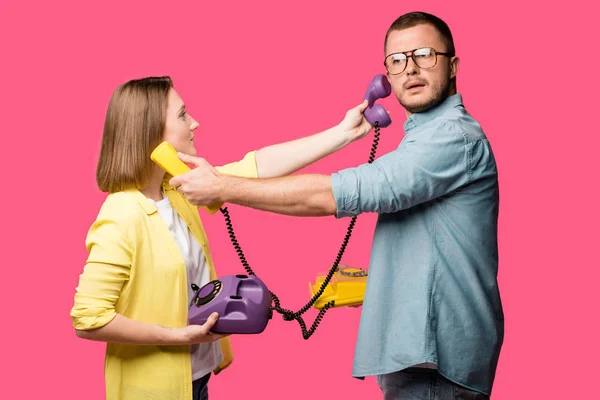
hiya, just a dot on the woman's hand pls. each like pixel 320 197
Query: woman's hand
pixel 355 125
pixel 193 334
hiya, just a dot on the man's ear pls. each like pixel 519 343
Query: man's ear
pixel 454 66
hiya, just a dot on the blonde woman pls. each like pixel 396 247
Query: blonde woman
pixel 147 245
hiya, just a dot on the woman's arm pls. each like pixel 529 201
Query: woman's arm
pixel 110 245
pixel 286 158
pixel 128 331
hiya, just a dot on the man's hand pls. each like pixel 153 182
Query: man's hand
pixel 194 334
pixel 199 186
pixel 355 125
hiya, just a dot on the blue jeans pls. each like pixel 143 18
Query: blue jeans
pixel 200 388
pixel 423 384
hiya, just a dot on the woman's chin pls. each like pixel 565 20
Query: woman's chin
pixel 190 150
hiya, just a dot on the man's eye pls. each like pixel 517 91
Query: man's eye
pixel 423 53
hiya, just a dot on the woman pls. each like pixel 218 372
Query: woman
pixel 147 245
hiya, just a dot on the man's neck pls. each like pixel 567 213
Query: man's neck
pixel 451 92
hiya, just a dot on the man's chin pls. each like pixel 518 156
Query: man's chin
pixel 416 105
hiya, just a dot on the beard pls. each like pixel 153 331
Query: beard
pixel 438 93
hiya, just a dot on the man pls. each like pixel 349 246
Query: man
pixel 432 319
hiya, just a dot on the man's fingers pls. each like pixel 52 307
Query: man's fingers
pixel 175 181
pixel 189 159
pixel 180 190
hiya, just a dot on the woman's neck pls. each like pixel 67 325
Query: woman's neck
pixel 153 190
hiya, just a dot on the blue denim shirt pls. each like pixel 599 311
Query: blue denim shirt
pixel 432 293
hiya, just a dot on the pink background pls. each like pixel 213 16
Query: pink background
pixel 255 73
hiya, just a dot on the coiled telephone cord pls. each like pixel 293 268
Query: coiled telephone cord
pixel 289 315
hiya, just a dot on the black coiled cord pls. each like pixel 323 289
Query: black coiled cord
pixel 289 315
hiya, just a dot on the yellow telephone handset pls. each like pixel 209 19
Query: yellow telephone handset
pixel 347 287
pixel 166 157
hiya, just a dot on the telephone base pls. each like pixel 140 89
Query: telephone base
pixel 242 302
pixel 346 287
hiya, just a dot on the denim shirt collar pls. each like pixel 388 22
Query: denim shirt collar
pixel 418 119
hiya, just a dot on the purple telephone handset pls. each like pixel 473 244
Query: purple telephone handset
pixel 243 303
pixel 379 88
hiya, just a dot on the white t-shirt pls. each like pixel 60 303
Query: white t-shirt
pixel 205 356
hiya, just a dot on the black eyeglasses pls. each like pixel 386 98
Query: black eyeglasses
pixel 425 58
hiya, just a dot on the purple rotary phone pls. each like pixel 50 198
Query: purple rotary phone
pixel 244 301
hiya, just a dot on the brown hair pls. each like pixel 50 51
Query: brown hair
pixel 417 18
pixel 134 126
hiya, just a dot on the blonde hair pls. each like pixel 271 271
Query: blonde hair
pixel 134 126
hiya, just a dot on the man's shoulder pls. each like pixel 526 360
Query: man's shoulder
pixel 459 120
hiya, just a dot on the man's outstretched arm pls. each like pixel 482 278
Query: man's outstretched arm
pixel 417 172
pixel 299 195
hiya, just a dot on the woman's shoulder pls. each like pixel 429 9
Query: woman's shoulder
pixel 123 206
pixel 120 216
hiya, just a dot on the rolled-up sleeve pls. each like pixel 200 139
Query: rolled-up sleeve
pixel 425 166
pixel 104 274
pixel 245 168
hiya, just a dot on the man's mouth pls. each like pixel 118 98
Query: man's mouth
pixel 414 85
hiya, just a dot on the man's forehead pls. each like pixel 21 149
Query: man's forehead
pixel 423 35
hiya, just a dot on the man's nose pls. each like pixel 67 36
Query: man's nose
pixel 411 67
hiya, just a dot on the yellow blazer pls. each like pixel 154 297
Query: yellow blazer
pixel 136 269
